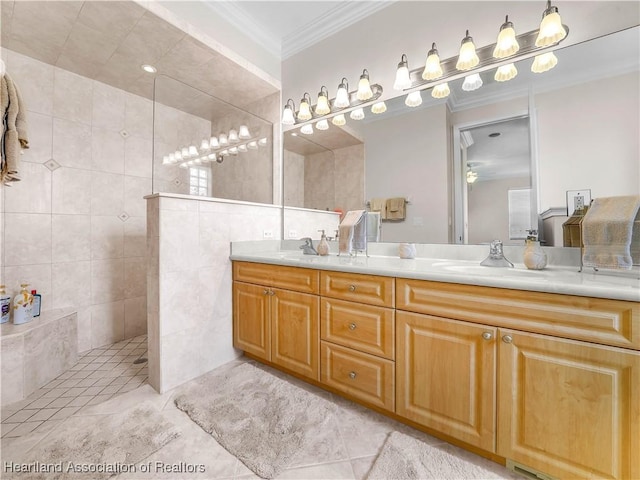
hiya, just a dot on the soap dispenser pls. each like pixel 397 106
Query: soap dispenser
pixel 534 256
pixel 22 306
pixel 323 246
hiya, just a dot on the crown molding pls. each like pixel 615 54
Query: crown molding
pixel 338 18
pixel 237 17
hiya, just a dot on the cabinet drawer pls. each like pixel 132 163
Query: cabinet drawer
pixel 366 328
pixel 598 320
pixel 360 375
pixel 289 278
pixel 370 289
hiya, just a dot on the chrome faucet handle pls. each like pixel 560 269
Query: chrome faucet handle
pixel 496 256
pixel 495 249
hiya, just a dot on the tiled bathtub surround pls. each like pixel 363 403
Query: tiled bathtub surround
pixel 97 376
pixel 37 352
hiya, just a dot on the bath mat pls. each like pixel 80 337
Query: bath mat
pixel 406 458
pixel 99 446
pixel 259 418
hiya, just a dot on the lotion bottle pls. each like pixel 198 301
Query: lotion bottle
pixel 37 303
pixel 5 302
pixel 323 246
pixel 22 306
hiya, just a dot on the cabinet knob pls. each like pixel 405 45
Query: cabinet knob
pixel 352 288
pixel 352 375
pixel 507 339
pixel 272 293
pixel 266 291
pixel 352 326
pixel 487 335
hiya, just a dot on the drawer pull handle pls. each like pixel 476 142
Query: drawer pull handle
pixel 352 288
pixel 266 291
pixel 272 293
pixel 507 339
pixel 487 335
pixel 352 326
pixel 352 375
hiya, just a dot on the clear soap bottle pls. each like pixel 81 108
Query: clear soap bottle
pixel 22 306
pixel 323 246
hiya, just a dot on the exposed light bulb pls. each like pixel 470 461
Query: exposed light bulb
pixel 305 110
pixel 262 142
pixel 414 99
pixel 287 113
pixel 233 136
pixel 551 28
pixel 357 114
pixel 342 95
pixel 307 129
pixel 242 148
pixel 543 63
pixel 364 87
pixel 472 82
pixel 252 145
pixel 322 125
pixel 224 152
pixel 222 138
pixel 467 58
pixel 205 144
pixel 507 44
pixel 506 73
pixel 339 120
pixel 322 107
pixel 233 151
pixel 471 176
pixel 441 91
pixel 193 151
pixel 379 107
pixel 211 156
pixel 432 67
pixel 213 142
pixel 243 132
pixel 403 81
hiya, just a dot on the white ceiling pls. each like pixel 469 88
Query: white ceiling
pixel 286 28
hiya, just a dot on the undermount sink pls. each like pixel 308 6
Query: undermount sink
pixel 493 271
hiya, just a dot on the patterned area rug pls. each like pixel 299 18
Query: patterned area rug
pixel 262 420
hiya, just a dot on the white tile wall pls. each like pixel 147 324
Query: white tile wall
pixel 62 230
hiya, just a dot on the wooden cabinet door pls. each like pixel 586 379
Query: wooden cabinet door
pixel 295 332
pixel 567 408
pixel 445 376
pixel 251 331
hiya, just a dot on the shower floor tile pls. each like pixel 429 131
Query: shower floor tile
pixel 99 375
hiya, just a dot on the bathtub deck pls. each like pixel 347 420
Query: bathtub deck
pixel 99 375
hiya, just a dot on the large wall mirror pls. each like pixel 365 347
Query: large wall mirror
pixel 574 127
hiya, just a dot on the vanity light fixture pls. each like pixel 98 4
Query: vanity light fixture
pixel 342 95
pixel 506 73
pixel 223 140
pixel 172 158
pixel 507 43
pixel 322 107
pixel 357 114
pixel 432 67
pixel 543 63
pixel 193 151
pixel 364 87
pixel 339 120
pixel 379 107
pixel 262 142
pixel 184 153
pixel 204 145
pixel 551 29
pixel 252 145
pixel 471 176
pixel 165 160
pixel 467 58
pixel 322 125
pixel 243 132
pixel 441 91
pixel 472 82
pixel 213 142
pixel 305 108
pixel 233 151
pixel 287 113
pixel 402 74
pixel 178 155
pixel 414 99
pixel 233 136
pixel 183 165
pixel 242 148
pixel 224 153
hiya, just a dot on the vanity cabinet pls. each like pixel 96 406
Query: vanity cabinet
pixel 358 336
pixel 275 319
pixel 446 376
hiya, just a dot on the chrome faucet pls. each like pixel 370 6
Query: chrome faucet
pixel 307 248
pixel 496 257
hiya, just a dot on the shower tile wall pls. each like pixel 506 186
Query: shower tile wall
pixel 75 226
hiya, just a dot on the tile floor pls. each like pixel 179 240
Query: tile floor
pixel 355 443
pixel 99 374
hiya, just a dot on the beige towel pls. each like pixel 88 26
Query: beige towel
pixel 379 205
pixel 14 129
pixel 395 208
pixel 352 232
pixel 607 232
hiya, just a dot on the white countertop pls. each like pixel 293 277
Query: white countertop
pixel 619 285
